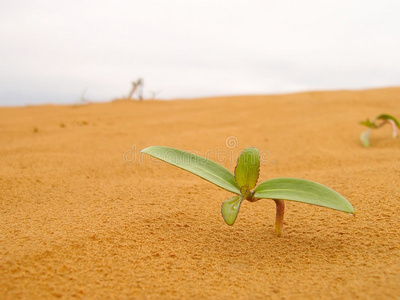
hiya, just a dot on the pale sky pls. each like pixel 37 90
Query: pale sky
pixel 51 50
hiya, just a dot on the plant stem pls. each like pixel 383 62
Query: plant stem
pixel 394 128
pixel 393 124
pixel 280 209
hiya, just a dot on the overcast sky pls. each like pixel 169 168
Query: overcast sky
pixel 52 51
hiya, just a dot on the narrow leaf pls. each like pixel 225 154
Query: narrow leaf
pixel 364 137
pixel 302 190
pixel 388 117
pixel 247 169
pixel 230 209
pixel 200 166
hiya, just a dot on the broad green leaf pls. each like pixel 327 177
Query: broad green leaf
pixel 230 209
pixel 364 137
pixel 247 169
pixel 302 190
pixel 200 166
pixel 388 117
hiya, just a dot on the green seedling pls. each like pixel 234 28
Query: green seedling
pixel 243 183
pixel 385 119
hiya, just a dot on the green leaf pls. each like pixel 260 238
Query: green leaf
pixel 302 190
pixel 388 117
pixel 247 169
pixel 200 166
pixel 368 123
pixel 364 137
pixel 230 209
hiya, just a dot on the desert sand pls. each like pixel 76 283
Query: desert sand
pixel 84 215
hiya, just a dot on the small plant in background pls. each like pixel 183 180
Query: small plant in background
pixel 137 86
pixel 385 119
pixel 244 180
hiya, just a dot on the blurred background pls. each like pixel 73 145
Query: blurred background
pixel 75 51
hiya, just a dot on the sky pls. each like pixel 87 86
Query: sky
pixel 55 51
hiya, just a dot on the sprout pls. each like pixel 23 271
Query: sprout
pixel 386 119
pixel 243 183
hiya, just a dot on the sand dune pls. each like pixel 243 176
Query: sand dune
pixel 83 215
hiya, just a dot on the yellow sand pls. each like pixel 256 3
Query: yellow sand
pixel 83 215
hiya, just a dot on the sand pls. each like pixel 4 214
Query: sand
pixel 83 215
